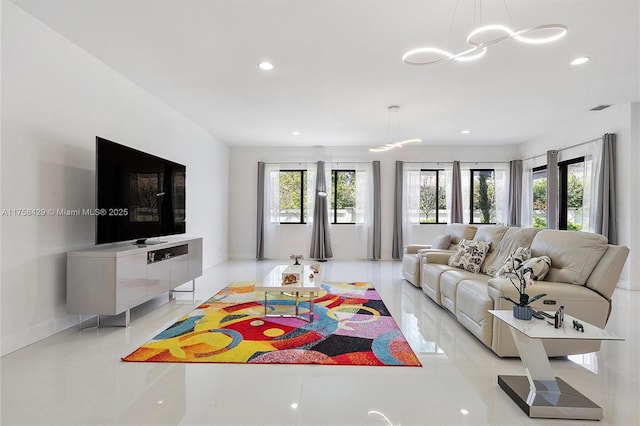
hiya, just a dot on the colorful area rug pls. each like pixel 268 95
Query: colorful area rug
pixel 352 326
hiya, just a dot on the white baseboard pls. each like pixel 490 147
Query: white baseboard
pixel 11 342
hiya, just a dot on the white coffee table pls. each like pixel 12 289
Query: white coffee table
pixel 272 282
pixel 540 393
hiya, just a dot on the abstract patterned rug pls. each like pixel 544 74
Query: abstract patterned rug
pixel 352 326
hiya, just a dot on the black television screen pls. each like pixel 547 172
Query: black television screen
pixel 138 195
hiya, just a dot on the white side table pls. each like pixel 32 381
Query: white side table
pixel 540 393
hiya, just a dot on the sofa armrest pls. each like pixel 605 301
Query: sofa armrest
pixel 436 256
pixel 579 301
pixel 413 248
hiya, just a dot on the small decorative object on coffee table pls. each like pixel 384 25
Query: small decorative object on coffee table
pixel 296 258
pixel 292 274
pixel 521 308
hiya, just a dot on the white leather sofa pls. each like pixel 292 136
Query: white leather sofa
pixel 412 255
pixel 583 275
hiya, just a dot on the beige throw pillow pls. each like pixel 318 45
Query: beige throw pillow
pixel 470 255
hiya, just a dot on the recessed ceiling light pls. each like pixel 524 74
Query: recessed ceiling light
pixel 266 66
pixel 465 132
pixel 295 133
pixel 581 60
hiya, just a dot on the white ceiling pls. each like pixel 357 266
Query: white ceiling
pixel 338 65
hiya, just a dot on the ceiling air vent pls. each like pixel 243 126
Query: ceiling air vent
pixel 599 107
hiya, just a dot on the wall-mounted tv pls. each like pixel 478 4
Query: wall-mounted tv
pixel 138 195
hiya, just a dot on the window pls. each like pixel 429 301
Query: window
pixel 483 196
pixel 343 196
pixel 292 197
pixel 433 199
pixel 571 179
pixel 540 197
pixel 571 182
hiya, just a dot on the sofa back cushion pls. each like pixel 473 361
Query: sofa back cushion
pixel 459 231
pixel 573 254
pixel 513 238
pixel 492 234
pixel 442 242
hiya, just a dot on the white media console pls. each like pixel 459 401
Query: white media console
pixel 112 279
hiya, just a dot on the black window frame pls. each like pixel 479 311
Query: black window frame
pixel 437 222
pixel 471 206
pixel 563 190
pixel 303 179
pixel 334 195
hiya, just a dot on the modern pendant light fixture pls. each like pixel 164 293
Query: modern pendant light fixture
pixel 482 37
pixel 394 110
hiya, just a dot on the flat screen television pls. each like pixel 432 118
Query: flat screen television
pixel 138 195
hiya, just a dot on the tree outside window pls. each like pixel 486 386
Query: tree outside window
pixel 540 197
pixel 483 200
pixel 433 201
pixel 343 199
pixel 572 175
pixel 293 197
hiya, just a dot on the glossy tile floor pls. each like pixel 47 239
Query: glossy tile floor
pixel 77 378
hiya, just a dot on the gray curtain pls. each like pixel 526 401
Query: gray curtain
pixel 396 249
pixel 377 239
pixel 515 193
pixel 552 189
pixel 260 213
pixel 457 211
pixel 605 222
pixel 320 239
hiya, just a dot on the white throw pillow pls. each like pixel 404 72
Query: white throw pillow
pixel 539 267
pixel 470 255
pixel 514 260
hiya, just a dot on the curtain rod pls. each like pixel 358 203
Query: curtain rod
pixel 565 148
pixel 302 163
pixel 449 162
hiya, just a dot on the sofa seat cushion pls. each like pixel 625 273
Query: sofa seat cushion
pixel 449 281
pixel 573 255
pixel 472 305
pixel 430 280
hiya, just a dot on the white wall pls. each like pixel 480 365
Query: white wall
pixel 243 182
pixel 623 120
pixel 55 99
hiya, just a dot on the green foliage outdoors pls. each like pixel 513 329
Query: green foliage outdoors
pixel 432 199
pixel 292 195
pixel 345 196
pixel 575 200
pixel 484 195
